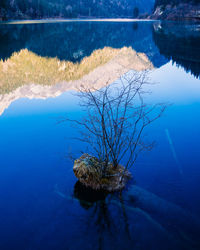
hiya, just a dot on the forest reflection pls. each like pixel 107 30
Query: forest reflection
pixel 45 60
pixel 72 42
pixel 179 43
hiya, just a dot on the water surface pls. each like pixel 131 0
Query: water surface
pixel 42 206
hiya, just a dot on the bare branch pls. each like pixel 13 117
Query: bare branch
pixel 116 117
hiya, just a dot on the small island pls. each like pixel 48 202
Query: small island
pixel 88 170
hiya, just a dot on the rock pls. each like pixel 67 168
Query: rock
pixel 93 173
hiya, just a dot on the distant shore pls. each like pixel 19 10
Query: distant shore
pixel 51 20
pixel 182 12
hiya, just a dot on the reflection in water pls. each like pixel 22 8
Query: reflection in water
pixel 137 217
pixel 75 40
pixel 179 43
pixel 26 67
pixel 26 74
pixel 109 229
pixel 88 196
pixel 31 146
pixel 79 63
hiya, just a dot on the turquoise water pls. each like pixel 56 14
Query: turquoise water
pixel 41 204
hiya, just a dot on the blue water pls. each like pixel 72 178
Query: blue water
pixel 41 204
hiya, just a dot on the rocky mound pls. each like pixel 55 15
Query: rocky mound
pixel 93 173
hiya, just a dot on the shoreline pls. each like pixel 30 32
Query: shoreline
pixel 52 20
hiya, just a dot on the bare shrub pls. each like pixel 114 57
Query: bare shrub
pixel 115 120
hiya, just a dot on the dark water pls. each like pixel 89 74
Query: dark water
pixel 41 204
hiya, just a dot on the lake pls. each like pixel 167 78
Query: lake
pixel 42 205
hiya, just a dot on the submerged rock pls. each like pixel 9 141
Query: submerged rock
pixel 93 173
pixel 184 225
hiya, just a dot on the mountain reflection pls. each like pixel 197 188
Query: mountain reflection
pixel 45 60
pixel 179 43
pixel 75 40
pixel 26 74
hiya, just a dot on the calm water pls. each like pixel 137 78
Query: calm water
pixel 41 204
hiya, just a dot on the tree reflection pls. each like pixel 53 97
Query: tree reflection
pixel 107 216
